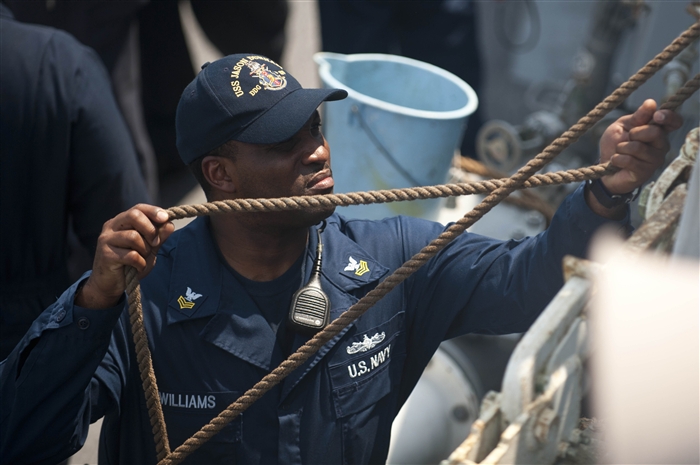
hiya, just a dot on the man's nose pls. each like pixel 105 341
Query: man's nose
pixel 318 154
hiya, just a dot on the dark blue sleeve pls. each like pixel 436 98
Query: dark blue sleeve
pixel 481 285
pixel 48 394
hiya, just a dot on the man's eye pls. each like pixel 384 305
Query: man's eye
pixel 286 146
pixel 316 129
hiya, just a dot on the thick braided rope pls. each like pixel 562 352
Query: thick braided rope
pixel 682 94
pixel 382 196
pixel 526 199
pixel 143 357
pixel 516 181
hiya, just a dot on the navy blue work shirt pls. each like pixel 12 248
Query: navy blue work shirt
pixel 210 343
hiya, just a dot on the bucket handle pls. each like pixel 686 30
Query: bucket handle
pixel 383 150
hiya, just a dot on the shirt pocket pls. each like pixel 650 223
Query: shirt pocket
pixel 187 412
pixel 363 362
pixel 363 373
pixel 366 352
pixel 360 381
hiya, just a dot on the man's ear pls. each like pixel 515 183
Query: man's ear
pixel 217 172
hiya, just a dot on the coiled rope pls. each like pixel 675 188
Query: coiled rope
pixel 498 190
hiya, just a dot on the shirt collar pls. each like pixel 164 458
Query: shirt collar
pixel 345 263
pixel 196 276
pixel 197 271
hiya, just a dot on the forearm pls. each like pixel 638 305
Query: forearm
pixel 513 281
pixel 88 295
pixel 540 268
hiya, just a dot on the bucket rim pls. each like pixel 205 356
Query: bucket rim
pixel 325 73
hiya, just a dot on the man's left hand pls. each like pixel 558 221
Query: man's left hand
pixel 637 144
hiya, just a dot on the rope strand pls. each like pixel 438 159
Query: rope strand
pixel 382 196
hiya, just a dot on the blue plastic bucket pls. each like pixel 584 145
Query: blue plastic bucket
pixel 399 127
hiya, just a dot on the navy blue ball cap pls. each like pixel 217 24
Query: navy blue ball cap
pixel 243 97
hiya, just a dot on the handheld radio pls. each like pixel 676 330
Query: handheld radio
pixel 310 310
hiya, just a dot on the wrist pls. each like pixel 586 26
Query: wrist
pixel 606 204
pixel 607 198
pixel 88 295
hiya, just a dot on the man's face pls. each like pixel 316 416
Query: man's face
pixel 298 166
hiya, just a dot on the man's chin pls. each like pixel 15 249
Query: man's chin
pixel 310 217
pixel 292 219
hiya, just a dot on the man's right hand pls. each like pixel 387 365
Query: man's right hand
pixel 131 238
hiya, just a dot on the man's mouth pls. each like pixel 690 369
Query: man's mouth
pixel 321 183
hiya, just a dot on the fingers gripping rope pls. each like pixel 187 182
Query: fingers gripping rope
pixel 498 190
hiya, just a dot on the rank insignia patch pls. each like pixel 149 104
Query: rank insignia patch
pixel 359 268
pixel 187 302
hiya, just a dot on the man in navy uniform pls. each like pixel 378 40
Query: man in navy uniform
pixel 216 304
